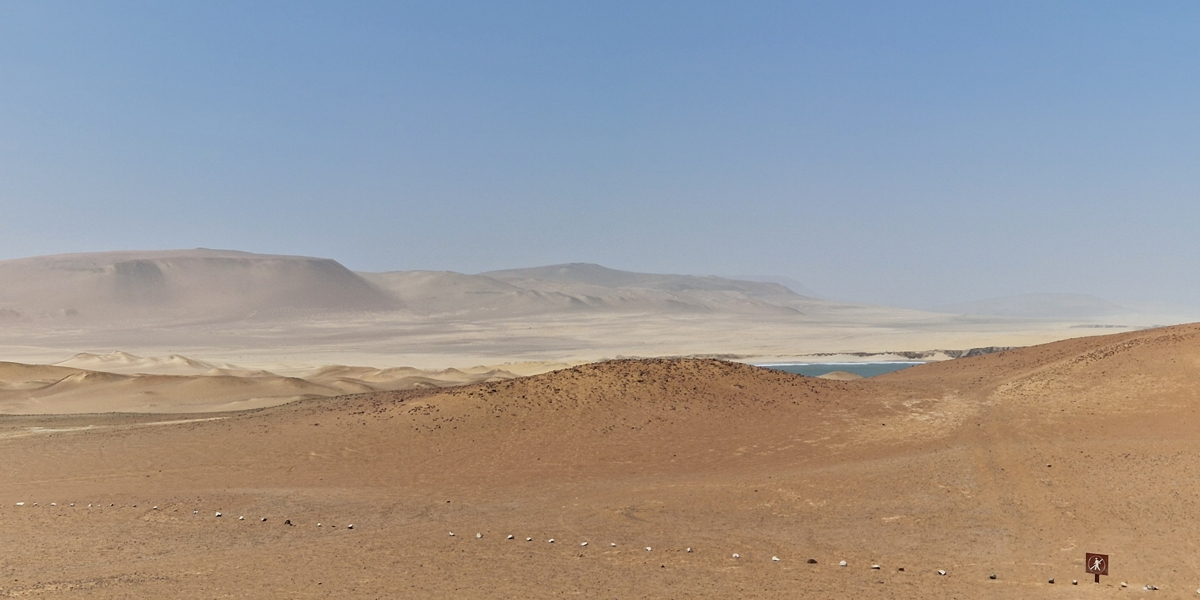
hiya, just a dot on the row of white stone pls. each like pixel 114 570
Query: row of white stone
pixel 811 561
pixel 194 512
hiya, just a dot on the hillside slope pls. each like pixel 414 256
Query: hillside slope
pixel 1011 464
pixel 182 284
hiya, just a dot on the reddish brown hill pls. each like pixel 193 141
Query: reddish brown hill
pixel 1013 464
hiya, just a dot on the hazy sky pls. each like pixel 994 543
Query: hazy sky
pixel 904 153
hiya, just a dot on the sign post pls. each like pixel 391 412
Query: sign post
pixel 1096 564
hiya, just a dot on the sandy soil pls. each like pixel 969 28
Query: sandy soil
pixel 1011 464
pixel 122 382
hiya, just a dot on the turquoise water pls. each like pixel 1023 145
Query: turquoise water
pixel 865 369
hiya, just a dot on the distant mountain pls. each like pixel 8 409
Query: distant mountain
pixel 182 286
pixel 579 287
pixel 588 274
pixel 1039 306
pixel 197 283
pixel 786 282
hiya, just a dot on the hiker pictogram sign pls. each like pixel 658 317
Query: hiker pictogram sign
pixel 1096 564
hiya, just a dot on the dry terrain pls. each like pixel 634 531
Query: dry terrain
pixel 1011 464
pixel 291 315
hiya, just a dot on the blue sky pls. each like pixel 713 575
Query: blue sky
pixel 902 153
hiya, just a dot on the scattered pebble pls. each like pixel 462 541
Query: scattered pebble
pixel 510 536
pixel 20 504
pixel 901 569
pixel 350 526
pixel 613 545
pixel 479 536
pixel 218 514
pixel 451 534
pixel 318 525
pixel 1123 584
pixel 875 567
pixel 774 559
pixel 689 550
pixel 529 539
pixel 843 563
pixel 736 555
pixel 943 573
pixel 551 541
pixel 53 504
pixel 812 561
pixel 194 512
pixel 242 518
pixel 583 544
pixel 992 576
pixel 1150 587
pixel 287 522
pixel 264 520
pixel 72 504
pixel 647 548
pixel 1074 582
pixel 155 508
pixel 1051 579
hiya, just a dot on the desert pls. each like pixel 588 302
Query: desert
pixel 645 300
pixel 636 477
pixel 667 473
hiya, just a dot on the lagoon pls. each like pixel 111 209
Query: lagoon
pixel 862 369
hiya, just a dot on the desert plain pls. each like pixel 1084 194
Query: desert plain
pixel 206 424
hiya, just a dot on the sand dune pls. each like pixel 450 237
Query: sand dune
pixel 123 382
pixel 124 362
pixel 1011 464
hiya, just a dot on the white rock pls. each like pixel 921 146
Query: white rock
pixel 318 525
pixel 350 526
pixel 842 564
pixel 510 536
pixel 262 520
pixel 451 534
pixel 876 567
pixel 941 572
pixel 613 545
pixel 529 539
pixel 242 518
pixel 583 544
pixel 155 508
pixel 1150 587
pixel 551 541
pixel 689 550
pixel 736 555
pixel 72 504
pixel 53 504
pixel 1123 584
pixel 479 536
pixel 194 512
pixel 218 514
pixel 20 504
pixel 775 559
pixel 648 548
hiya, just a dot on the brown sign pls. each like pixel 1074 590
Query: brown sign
pixel 1096 564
